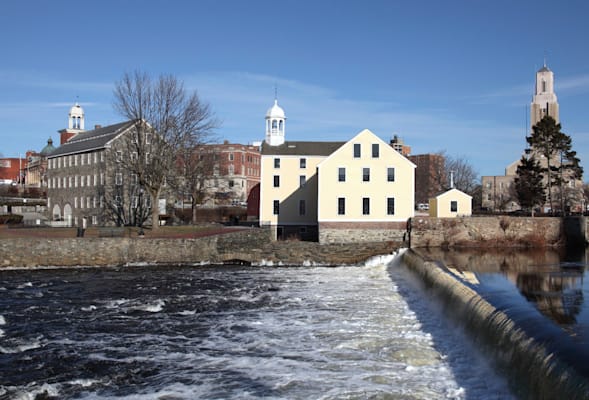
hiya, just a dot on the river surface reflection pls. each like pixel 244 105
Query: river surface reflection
pixel 546 291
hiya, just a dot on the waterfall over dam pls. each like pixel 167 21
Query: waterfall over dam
pixel 538 359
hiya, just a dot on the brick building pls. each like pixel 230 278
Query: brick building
pixel 236 171
pixel 11 170
pixel 430 178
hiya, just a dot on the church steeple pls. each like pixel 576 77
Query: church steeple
pixel 275 125
pixel 544 101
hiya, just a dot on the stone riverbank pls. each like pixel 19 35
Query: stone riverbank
pixel 249 245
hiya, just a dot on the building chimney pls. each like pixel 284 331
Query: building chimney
pixel 97 126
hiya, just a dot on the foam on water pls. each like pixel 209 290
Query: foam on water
pixel 242 332
pixel 2 320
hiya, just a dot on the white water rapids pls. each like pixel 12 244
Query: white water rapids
pixel 237 332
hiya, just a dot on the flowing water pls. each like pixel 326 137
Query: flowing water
pixel 543 292
pixel 232 332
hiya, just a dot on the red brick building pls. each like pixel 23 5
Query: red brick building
pixel 11 170
pixel 430 178
pixel 236 170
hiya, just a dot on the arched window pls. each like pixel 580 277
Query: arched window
pixel 274 124
pixel 543 86
pixel 281 127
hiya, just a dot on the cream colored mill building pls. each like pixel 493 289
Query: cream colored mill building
pixel 333 192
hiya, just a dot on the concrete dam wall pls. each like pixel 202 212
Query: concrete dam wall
pixel 528 363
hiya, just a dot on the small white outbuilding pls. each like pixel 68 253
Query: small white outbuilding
pixel 450 204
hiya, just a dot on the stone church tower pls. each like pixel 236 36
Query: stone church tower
pixel 544 101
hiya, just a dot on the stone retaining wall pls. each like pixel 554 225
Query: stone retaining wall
pixel 495 231
pixel 361 232
pixel 249 245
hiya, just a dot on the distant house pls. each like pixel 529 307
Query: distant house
pixel 450 204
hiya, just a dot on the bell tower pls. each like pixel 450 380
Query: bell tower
pixel 275 125
pixel 544 101
pixel 75 123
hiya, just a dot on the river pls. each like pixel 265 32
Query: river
pixel 233 332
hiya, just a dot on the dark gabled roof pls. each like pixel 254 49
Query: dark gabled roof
pixel 91 140
pixel 301 148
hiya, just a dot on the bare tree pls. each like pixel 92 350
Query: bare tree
pixel 168 124
pixel 465 177
pixel 197 167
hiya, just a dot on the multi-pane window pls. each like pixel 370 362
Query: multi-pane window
pixel 118 179
pixel 276 207
pixel 277 163
pixel 375 150
pixel 357 152
pixel 276 180
pixel 365 174
pixel 119 156
pixel 390 174
pixel 365 205
pixel 341 174
pixel 302 207
pixel 303 163
pixel 230 156
pixel 391 206
pixel 341 205
pixel 453 206
pixel 302 180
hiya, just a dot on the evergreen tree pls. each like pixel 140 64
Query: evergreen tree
pixel 562 164
pixel 529 185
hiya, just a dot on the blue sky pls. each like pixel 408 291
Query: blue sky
pixel 443 75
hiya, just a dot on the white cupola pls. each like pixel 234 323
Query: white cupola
pixel 76 118
pixel 275 125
